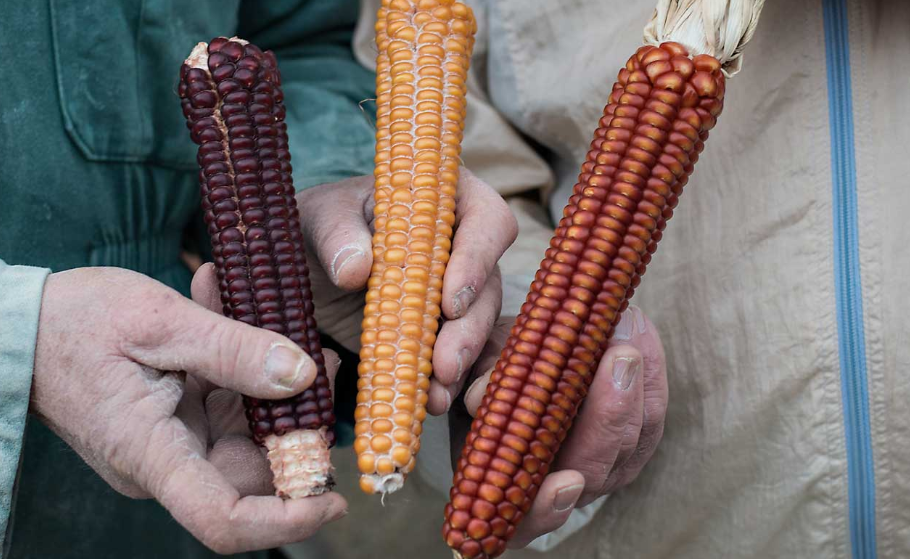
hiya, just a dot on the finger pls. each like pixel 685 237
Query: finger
pixel 656 396
pixel 551 508
pixel 479 375
pixel 460 343
pixel 202 500
pixel 475 393
pixel 191 409
pixel 243 464
pixel 608 424
pixel 334 221
pixel 204 288
pixel 168 332
pixel 225 412
pixel 204 291
pixel 485 229
pixel 332 364
pixel 226 416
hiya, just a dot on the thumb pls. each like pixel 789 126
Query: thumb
pixel 226 352
pixel 608 425
pixel 334 220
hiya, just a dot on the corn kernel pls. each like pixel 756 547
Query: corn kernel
pixel 649 138
pixel 423 54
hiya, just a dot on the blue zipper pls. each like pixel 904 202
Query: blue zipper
pixel 848 285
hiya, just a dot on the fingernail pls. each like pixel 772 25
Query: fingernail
pixel 461 363
pixel 284 365
pixel 640 323
pixel 624 371
pixel 567 497
pixel 342 258
pixel 623 330
pixel 340 514
pixel 448 399
pixel 463 300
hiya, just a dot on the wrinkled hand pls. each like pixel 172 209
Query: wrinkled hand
pixel 109 343
pixel 337 222
pixel 614 435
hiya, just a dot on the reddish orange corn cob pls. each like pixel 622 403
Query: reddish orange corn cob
pixel 232 101
pixel 424 52
pixel 658 117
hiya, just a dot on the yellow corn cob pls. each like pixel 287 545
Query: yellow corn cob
pixel 424 52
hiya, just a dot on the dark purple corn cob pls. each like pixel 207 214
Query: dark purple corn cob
pixel 232 100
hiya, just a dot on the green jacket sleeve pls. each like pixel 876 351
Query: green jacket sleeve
pixel 328 94
pixel 20 304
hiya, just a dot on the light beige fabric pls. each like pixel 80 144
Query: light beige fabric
pixel 753 463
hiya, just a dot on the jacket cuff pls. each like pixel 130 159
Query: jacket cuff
pixel 20 305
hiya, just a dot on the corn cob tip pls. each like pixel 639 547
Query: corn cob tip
pixel 199 56
pixel 300 463
pixel 719 29
pixel 382 484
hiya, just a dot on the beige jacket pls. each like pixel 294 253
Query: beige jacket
pixel 780 288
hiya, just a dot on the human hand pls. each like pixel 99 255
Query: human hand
pixel 109 343
pixel 337 222
pixel 615 433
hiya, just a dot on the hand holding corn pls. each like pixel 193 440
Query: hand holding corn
pixel 337 224
pixel 664 103
pixel 614 436
pixel 112 394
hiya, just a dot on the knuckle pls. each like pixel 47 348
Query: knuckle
pixel 227 340
pixel 504 215
pixel 655 413
pixel 216 532
pixel 511 228
pixel 610 421
pixel 631 469
pixel 615 481
pixel 155 470
pixel 221 542
pixel 129 490
pixel 495 281
pixel 650 438
pixel 489 321
pixel 594 469
pixel 118 452
pixel 653 361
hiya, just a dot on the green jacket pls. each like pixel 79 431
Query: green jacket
pixel 98 170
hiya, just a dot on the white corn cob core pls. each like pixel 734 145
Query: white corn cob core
pixel 300 463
